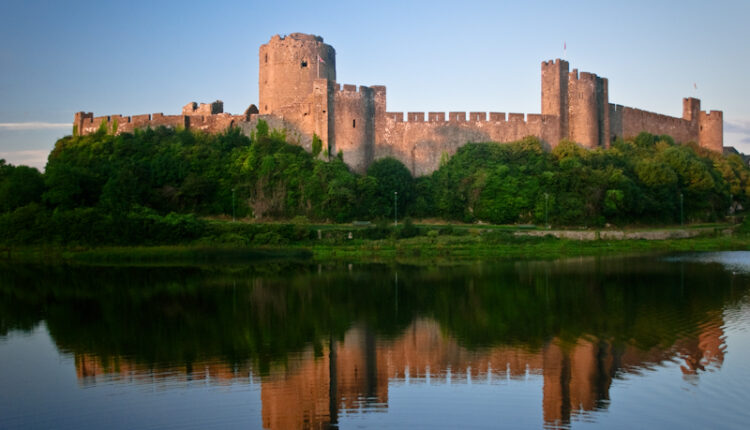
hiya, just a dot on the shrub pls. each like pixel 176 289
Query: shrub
pixel 408 229
pixel 381 230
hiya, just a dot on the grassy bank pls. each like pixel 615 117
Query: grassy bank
pixel 155 255
pixel 421 248
pixel 521 247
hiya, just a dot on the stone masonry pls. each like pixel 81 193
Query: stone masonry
pixel 298 92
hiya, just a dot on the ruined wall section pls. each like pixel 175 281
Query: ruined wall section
pixel 289 67
pixel 78 122
pixel 422 140
pixel 354 125
pixel 85 122
pixel 194 108
pixel 293 134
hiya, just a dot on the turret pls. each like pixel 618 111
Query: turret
pixel 691 107
pixel 555 94
pixel 78 121
pixel 711 130
pixel 288 68
pixel 588 115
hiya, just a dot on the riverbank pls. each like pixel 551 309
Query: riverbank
pixel 522 246
pixel 476 244
pixel 174 255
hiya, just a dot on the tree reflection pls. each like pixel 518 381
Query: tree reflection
pixel 328 340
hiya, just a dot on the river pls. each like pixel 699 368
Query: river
pixel 617 342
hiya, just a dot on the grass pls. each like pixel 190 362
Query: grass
pixel 158 255
pixel 473 247
pixel 460 242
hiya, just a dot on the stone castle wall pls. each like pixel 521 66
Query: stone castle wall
pixel 628 122
pixel 422 141
pixel 299 93
pixel 354 125
pixel 86 123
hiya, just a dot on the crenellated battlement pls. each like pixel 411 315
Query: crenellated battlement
pixel 575 75
pixel 457 116
pixel 395 116
pixel 553 63
pixel 477 116
pixel 293 37
pixel 497 116
pixel 436 116
pixel 716 115
pixel 415 116
pixel 362 89
pixel 194 108
pixel 467 118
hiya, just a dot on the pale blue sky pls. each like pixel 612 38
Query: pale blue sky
pixel 143 57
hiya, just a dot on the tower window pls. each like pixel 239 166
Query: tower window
pixel 304 63
pixel 354 123
pixel 266 58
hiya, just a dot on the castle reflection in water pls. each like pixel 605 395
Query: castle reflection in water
pixel 314 388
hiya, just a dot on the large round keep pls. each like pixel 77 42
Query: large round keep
pixel 288 67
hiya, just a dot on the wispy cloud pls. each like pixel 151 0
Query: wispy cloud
pixel 742 127
pixel 33 125
pixel 29 157
pixel 737 134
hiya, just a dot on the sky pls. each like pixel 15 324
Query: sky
pixel 136 57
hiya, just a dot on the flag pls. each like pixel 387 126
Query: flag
pixel 695 86
pixel 320 60
pixel 565 46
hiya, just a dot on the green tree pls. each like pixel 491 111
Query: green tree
pixel 391 177
pixel 19 186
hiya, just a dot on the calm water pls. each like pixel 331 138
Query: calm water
pixel 656 342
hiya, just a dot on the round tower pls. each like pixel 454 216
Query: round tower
pixel 711 130
pixel 588 109
pixel 288 67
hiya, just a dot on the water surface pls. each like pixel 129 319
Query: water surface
pixel 617 342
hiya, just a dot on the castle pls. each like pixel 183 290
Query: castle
pixel 299 93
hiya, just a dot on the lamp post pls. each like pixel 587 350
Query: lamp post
pixel 233 217
pixel 395 208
